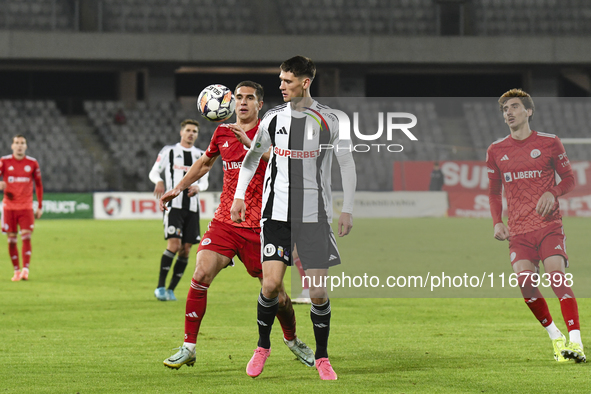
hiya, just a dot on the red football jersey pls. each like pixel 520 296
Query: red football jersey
pixel 19 176
pixel 527 170
pixel 225 143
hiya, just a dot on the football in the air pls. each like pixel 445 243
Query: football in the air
pixel 216 103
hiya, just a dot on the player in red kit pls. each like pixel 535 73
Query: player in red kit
pixel 225 239
pixel 525 163
pixel 18 173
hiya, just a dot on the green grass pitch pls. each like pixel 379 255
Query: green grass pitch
pixel 87 320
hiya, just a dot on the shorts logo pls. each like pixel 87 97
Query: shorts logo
pixel 508 177
pixel 513 255
pixel 28 168
pixel 269 250
pixel 171 230
pixel 535 153
pixel 179 232
pixel 558 247
pixel 206 241
pixel 280 251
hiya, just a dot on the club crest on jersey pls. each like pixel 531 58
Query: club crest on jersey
pixel 535 153
pixel 28 168
pixel 508 177
pixel 206 241
pixel 269 250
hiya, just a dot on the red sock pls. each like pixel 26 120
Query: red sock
pixel 286 317
pixel 568 302
pixel 13 252
pixel 26 238
pixel 533 298
pixel 298 263
pixel 195 309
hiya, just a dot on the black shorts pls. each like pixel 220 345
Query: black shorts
pixel 183 224
pixel 317 247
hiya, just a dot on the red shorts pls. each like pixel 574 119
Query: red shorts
pixel 539 245
pixel 231 241
pixel 12 219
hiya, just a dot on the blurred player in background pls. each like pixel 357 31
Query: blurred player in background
pixel 181 221
pixel 297 207
pixel 525 163
pixel 225 239
pixel 18 173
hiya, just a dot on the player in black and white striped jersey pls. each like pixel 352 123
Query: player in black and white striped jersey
pixel 181 222
pixel 297 204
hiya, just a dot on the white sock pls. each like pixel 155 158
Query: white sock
pixel 553 331
pixel 190 346
pixel 575 336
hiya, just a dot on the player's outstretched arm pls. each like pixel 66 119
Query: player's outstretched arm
pixel 197 170
pixel 240 134
pixel 238 211
pixel 250 163
pixel 244 140
pixel 2 185
pixel 501 231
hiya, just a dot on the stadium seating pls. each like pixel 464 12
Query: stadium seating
pixel 379 17
pixel 564 117
pixel 37 15
pixel 134 145
pixel 526 17
pixel 65 165
pixel 306 17
pixel 178 16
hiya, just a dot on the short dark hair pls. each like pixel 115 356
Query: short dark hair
pixel 19 136
pixel 189 121
pixel 259 91
pixel 300 66
pixel 521 94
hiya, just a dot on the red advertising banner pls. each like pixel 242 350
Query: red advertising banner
pixel 466 183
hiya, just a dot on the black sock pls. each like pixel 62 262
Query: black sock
pixel 178 271
pixel 165 264
pixel 266 312
pixel 320 315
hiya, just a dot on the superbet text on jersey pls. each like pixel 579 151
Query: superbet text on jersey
pixel 225 143
pixel 527 170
